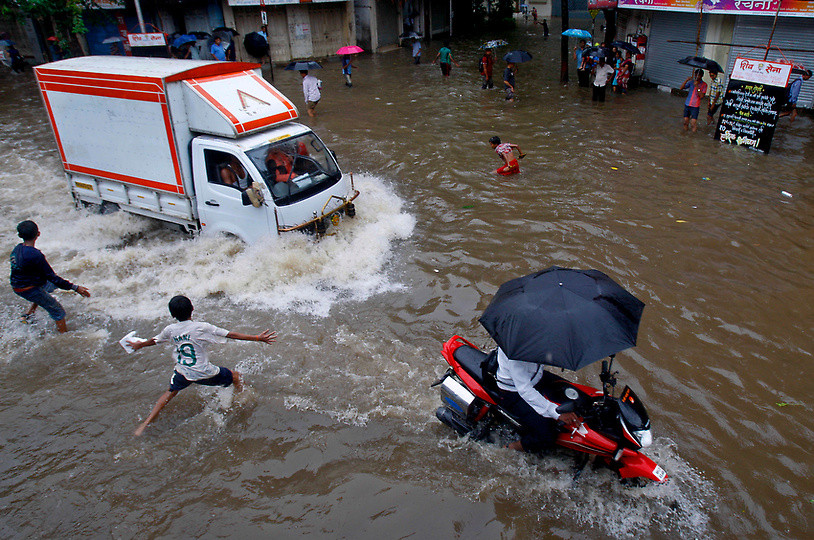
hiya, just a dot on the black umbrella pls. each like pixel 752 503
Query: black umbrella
pixel 226 29
pixel 302 66
pixel 256 45
pixel 563 317
pixel 597 52
pixel 625 46
pixel 517 57
pixel 200 35
pixel 703 63
pixel 800 70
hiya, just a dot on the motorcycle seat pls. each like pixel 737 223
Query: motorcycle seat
pixel 470 359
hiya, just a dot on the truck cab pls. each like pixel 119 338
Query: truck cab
pixel 301 184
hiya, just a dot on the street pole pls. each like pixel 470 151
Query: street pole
pixel 774 25
pixel 140 17
pixel 564 43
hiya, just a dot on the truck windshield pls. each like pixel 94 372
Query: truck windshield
pixel 295 168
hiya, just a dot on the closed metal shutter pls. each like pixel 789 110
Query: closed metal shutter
pixel 661 62
pixel 790 33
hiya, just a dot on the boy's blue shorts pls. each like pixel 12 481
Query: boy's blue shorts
pixel 691 112
pixel 42 297
pixel 223 378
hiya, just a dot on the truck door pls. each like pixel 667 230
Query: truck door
pixel 220 177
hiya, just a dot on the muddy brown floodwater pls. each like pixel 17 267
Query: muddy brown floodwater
pixel 336 436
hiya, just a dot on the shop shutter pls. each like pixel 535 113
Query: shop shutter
pixel 790 33
pixel 661 62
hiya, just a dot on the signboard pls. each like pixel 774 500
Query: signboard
pixel 753 98
pixel 601 4
pixel 788 8
pixel 146 40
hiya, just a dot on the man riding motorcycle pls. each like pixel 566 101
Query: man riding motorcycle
pixel 516 381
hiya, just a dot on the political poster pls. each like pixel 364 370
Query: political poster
pixel 754 95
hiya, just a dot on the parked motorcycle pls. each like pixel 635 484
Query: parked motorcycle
pixel 614 429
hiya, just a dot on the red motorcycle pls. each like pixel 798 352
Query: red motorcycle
pixel 612 429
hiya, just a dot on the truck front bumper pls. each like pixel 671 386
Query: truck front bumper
pixel 320 221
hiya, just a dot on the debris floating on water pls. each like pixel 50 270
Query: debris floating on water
pixel 787 194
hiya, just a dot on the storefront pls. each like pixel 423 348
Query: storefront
pixel 295 30
pixel 721 31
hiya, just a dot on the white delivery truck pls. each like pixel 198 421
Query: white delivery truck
pixel 210 146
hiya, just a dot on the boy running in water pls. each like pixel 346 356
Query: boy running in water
pixel 506 153
pixel 191 362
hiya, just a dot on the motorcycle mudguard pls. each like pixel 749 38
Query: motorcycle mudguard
pixel 448 351
pixel 636 465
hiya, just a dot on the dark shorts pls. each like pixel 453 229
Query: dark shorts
pixel 711 112
pixel 691 112
pixel 179 382
pixel 42 297
pixel 445 68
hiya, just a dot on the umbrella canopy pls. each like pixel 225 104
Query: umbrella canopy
pixel 573 32
pixel 410 35
pixel 799 69
pixel 302 66
pixel 517 57
pixel 597 52
pixel 625 46
pixel 701 62
pixel 494 44
pixel 182 40
pixel 200 35
pixel 226 29
pixel 256 45
pixel 563 317
pixel 350 49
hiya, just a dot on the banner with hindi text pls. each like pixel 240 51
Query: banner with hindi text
pixel 788 8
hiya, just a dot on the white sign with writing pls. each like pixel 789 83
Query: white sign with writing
pixel 146 40
pixel 762 71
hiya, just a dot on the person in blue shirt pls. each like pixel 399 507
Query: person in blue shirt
pixel 347 68
pixel 217 50
pixel 793 94
pixel 33 279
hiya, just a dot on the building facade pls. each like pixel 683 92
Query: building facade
pixel 721 31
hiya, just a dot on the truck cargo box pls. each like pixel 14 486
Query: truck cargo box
pixel 131 120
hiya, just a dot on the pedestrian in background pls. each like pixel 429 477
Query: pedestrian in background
pixel 716 95
pixel 416 51
pixel 792 95
pixel 33 279
pixel 582 74
pixel 311 87
pixel 508 80
pixel 347 67
pixel 602 74
pixel 487 62
pixel 217 50
pixel 446 59
pixel 697 90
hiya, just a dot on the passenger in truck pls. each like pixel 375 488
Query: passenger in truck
pixel 233 174
pixel 278 165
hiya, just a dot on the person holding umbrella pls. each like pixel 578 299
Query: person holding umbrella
pixel 508 80
pixel 697 90
pixel 559 317
pixel 311 92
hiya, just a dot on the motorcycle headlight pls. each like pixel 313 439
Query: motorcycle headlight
pixel 644 437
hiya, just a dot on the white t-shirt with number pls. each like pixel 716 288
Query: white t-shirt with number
pixel 190 339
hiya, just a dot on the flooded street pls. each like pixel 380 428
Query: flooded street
pixel 336 436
